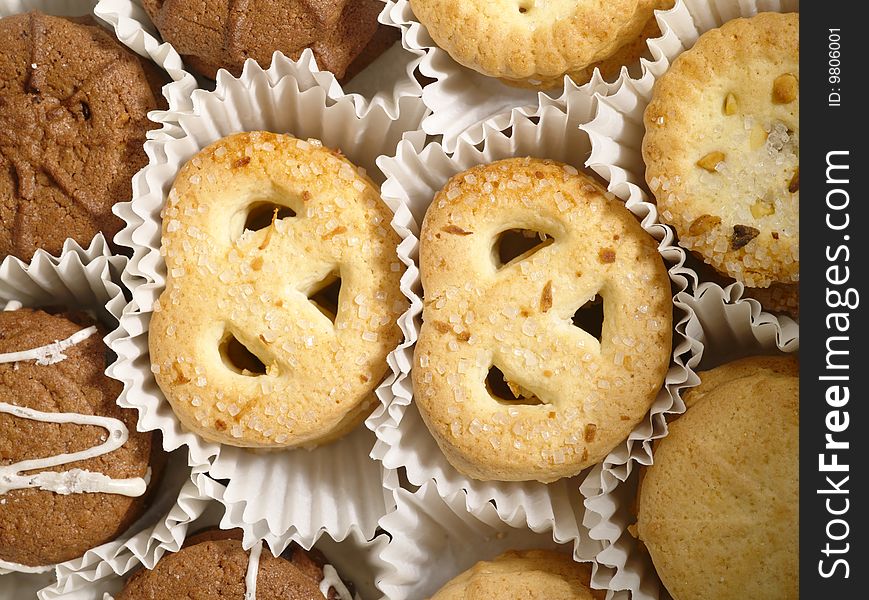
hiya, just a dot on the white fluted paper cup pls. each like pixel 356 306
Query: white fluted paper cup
pixel 385 83
pixel 402 438
pixel 434 539
pixel 355 558
pixel 461 98
pixel 334 488
pixel 88 279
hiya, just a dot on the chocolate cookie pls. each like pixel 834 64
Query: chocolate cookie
pixel 218 33
pixel 215 565
pixel 73 106
pixel 55 399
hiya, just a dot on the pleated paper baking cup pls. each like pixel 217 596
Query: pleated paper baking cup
pixel 461 98
pixel 385 83
pixel 333 488
pixel 415 174
pixel 356 559
pixel 88 279
pixel 617 130
pixel 434 539
pixel 726 331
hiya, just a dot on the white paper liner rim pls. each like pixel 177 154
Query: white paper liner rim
pixel 434 539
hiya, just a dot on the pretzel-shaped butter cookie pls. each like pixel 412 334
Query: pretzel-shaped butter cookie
pixel 573 397
pixel 245 344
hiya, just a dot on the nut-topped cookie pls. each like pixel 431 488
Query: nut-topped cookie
pixel 722 148
pixel 282 293
pixel 512 382
pixel 73 119
pixel 534 43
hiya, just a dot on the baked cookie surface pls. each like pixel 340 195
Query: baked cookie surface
pixel 574 393
pixel 720 504
pixel 219 33
pixel 213 565
pixel 523 575
pixel 722 148
pixel 73 119
pixel 251 341
pixel 626 55
pixel 42 527
pixel 531 42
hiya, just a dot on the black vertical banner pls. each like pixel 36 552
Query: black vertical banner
pixel 834 255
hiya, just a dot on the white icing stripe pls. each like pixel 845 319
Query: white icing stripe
pixel 75 481
pixel 331 580
pixel 50 353
pixel 12 305
pixel 252 571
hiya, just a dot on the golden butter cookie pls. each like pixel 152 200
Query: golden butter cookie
pixel 248 341
pixel 523 575
pixel 633 50
pixel 722 148
pixel 626 55
pixel 572 397
pixel 532 42
pixel 719 508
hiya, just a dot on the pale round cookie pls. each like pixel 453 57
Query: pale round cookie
pixel 245 343
pixel 719 508
pixel 722 148
pixel 573 397
pixel 532 42
pixel 523 575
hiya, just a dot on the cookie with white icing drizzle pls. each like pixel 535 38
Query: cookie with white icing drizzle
pixel 72 465
pixel 215 564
